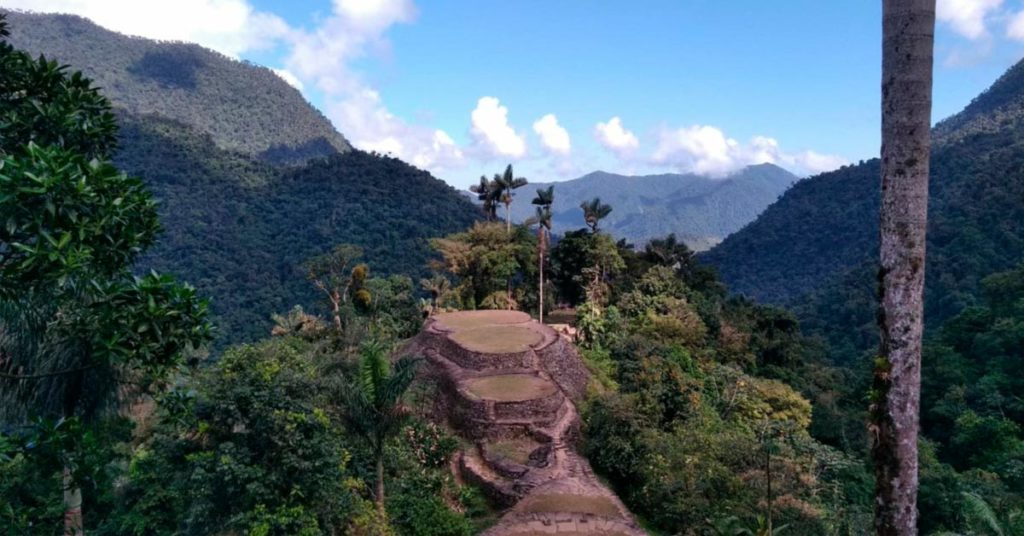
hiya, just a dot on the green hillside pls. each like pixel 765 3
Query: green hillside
pixel 209 135
pixel 699 209
pixel 241 106
pixel 814 248
pixel 238 229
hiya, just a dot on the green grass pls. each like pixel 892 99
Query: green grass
pixel 474 319
pixel 497 339
pixel 582 504
pixel 510 387
pixel 517 450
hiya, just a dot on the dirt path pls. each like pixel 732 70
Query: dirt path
pixel 508 385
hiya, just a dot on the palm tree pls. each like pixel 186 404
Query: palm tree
pixel 594 211
pixel 487 192
pixel 505 186
pixel 544 200
pixel 908 35
pixel 374 408
pixel 439 288
pixel 984 519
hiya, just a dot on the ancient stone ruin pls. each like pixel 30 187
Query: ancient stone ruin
pixel 508 385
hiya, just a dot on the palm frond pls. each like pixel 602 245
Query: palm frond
pixel 980 512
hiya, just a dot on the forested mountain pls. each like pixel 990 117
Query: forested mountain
pixel 698 209
pixel 241 106
pixel 814 249
pixel 209 135
pixel 239 229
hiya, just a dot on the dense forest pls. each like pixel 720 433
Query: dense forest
pixel 275 396
pixel 241 106
pixel 240 230
pixel 813 249
pixel 209 136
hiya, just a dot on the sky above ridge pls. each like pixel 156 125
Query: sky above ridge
pixel 559 89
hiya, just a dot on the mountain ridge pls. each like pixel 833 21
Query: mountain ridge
pixel 698 209
pixel 815 249
pixel 242 106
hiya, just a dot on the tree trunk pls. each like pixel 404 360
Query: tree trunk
pixel 508 218
pixel 540 262
pixel 908 28
pixel 73 525
pixel 336 309
pixel 379 494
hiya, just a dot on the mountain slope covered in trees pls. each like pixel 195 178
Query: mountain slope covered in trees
pixel 242 106
pixel 814 249
pixel 239 229
pixel 698 209
pixel 252 180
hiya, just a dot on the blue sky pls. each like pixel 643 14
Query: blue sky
pixel 566 87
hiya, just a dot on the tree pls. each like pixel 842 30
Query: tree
pixel 374 408
pixel 79 333
pixel 908 28
pixel 439 288
pixel 594 211
pixel 544 200
pixel 487 192
pixel 483 259
pixel 330 274
pixel 504 187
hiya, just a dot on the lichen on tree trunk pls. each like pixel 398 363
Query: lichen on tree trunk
pixel 908 28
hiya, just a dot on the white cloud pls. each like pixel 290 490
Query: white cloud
pixel 371 127
pixel 292 80
pixel 706 150
pixel 613 136
pixel 1015 27
pixel 492 131
pixel 552 135
pixel 968 18
pixel 227 26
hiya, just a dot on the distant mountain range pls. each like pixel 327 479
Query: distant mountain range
pixel 251 179
pixel 815 249
pixel 699 210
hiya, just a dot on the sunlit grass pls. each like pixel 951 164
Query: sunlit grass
pixel 497 339
pixel 510 387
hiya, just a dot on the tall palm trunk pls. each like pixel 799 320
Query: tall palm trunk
pixel 73 525
pixel 379 492
pixel 908 28
pixel 540 263
pixel 508 217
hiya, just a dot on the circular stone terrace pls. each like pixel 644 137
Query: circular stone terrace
pixel 509 367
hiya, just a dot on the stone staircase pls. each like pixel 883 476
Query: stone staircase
pixel 512 398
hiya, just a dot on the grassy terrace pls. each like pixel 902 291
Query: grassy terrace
pixel 583 504
pixel 497 339
pixel 476 319
pixel 510 387
pixel 516 450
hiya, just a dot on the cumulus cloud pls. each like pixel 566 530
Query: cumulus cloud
pixel 706 150
pixel 227 26
pixel 1015 27
pixel 613 136
pixel 492 131
pixel 292 80
pixel 552 135
pixel 968 18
